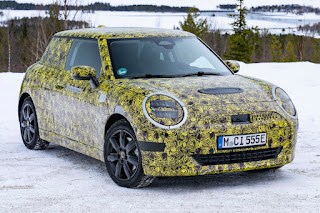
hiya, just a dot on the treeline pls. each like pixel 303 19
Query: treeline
pixel 146 8
pixel 27 45
pixel 23 41
pixel 268 47
pixel 292 8
pixel 227 6
pixel 313 29
pixel 252 44
pixel 92 7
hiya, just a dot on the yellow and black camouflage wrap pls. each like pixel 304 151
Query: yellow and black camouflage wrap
pixel 73 114
pixel 233 65
pixel 83 72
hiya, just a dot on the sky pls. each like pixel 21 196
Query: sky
pixel 201 4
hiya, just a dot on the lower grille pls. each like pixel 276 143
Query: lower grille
pixel 238 157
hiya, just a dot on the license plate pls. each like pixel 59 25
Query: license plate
pixel 236 141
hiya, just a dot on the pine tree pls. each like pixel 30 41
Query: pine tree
pixel 255 39
pixel 276 48
pixel 290 56
pixel 315 58
pixel 240 47
pixel 194 24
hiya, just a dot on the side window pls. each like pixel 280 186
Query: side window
pixel 84 52
pixel 57 52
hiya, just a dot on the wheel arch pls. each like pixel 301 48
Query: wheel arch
pixel 114 118
pixel 21 99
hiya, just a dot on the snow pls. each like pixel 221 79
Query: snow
pixel 275 22
pixel 60 180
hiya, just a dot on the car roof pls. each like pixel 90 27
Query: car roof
pixel 123 32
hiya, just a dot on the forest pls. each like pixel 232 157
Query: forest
pixel 23 41
pixel 291 8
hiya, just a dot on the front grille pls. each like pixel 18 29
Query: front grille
pixel 238 157
pixel 264 116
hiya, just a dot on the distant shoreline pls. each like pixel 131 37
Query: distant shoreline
pixel 97 6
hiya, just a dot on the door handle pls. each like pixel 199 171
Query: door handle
pixel 59 87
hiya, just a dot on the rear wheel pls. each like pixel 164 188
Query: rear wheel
pixel 29 126
pixel 123 158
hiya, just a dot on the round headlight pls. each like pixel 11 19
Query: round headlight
pixel 284 101
pixel 164 110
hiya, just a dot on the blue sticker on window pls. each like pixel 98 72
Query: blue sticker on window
pixel 122 71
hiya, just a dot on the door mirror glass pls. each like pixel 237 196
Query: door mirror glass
pixel 233 65
pixel 83 73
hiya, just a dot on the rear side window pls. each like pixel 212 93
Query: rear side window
pixel 57 52
pixel 84 52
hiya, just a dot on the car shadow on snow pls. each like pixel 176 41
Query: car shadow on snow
pixel 75 159
pixel 215 181
pixel 234 179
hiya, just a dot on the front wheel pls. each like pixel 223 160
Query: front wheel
pixel 29 126
pixel 123 158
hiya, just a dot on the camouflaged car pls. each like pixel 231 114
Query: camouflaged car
pixel 153 102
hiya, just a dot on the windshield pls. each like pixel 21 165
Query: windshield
pixel 163 57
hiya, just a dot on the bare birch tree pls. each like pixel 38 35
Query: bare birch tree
pixel 67 14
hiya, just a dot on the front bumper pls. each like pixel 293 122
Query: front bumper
pixel 177 157
pixel 160 164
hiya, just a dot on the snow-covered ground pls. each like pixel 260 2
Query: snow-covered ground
pixel 60 180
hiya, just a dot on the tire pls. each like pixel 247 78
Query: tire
pixel 29 126
pixel 123 158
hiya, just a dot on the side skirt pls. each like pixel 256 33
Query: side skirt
pixel 71 144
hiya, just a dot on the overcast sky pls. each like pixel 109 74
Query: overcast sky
pixel 202 4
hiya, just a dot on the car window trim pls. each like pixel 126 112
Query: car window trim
pixel 76 37
pixel 81 38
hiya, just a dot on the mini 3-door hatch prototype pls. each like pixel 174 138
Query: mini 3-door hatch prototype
pixel 153 102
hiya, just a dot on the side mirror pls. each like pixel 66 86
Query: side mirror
pixel 85 73
pixel 233 65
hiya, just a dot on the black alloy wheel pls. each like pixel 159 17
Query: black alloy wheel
pixel 27 123
pixel 123 157
pixel 29 126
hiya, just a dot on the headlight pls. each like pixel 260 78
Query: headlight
pixel 164 110
pixel 284 101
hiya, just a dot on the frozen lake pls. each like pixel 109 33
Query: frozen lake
pixel 221 20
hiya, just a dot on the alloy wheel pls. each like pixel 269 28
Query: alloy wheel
pixel 27 123
pixel 123 155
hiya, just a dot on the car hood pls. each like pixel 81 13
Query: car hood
pixel 247 90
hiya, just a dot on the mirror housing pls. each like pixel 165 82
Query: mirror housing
pixel 233 65
pixel 85 73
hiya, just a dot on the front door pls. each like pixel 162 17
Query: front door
pixel 76 114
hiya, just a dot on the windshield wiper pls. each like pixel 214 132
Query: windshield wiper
pixel 200 74
pixel 173 76
pixel 152 76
